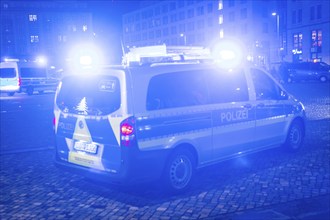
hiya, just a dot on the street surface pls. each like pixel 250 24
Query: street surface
pixel 267 185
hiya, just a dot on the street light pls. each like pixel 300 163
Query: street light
pixel 278 33
pixel 184 38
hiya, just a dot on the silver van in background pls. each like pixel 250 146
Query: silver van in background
pixel 10 81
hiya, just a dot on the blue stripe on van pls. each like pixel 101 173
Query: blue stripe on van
pixel 169 125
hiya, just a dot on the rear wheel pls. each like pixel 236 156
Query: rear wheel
pixel 179 171
pixel 29 91
pixel 295 136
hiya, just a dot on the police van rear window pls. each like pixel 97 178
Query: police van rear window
pixel 89 95
pixel 7 73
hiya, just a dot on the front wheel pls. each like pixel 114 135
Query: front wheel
pixel 295 136
pixel 179 171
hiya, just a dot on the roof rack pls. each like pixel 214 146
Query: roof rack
pixel 138 56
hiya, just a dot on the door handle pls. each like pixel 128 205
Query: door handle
pixel 260 105
pixel 248 106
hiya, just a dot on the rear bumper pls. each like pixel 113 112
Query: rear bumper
pixel 9 88
pixel 135 167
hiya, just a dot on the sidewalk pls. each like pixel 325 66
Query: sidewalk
pixel 315 208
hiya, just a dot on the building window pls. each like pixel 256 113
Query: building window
pixel 299 15
pixel 231 3
pixel 200 11
pixel 191 26
pixel 173 18
pixel 191 13
pixel 243 13
pixel 34 39
pixel 173 30
pixel 297 47
pixel 319 12
pixel 231 16
pixel 172 6
pixel 165 20
pixel 317 41
pixel 312 11
pixel 221 19
pixel 182 15
pixel 294 17
pixel 33 17
pixel 209 7
pixel 220 6
pixel 221 34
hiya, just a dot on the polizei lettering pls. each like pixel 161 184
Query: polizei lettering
pixel 234 115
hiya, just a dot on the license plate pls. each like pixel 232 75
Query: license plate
pixel 85 147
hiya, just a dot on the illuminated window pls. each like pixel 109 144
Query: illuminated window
pixel 297 41
pixel 33 17
pixel 34 39
pixel 221 19
pixel 316 41
pixel 84 28
pixel 220 7
pixel 221 33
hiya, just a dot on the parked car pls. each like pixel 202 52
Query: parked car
pixel 305 71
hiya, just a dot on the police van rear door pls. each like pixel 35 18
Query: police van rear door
pixel 87 113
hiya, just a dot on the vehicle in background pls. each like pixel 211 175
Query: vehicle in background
pixel 27 76
pixel 305 71
pixel 36 77
pixel 9 78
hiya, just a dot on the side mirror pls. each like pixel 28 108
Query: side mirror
pixel 284 95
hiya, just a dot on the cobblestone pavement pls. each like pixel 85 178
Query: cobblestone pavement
pixel 267 185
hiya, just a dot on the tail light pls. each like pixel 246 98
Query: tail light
pixel 19 81
pixel 127 132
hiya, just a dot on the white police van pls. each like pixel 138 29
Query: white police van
pixel 9 78
pixel 166 120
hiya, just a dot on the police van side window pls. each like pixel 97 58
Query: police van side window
pixel 227 86
pixel 177 89
pixel 265 87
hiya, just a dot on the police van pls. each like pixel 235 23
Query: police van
pixel 9 78
pixel 165 120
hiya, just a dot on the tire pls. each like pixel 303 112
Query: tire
pixel 295 137
pixel 179 171
pixel 41 92
pixel 11 93
pixel 29 91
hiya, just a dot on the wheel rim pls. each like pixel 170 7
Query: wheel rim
pixel 180 172
pixel 295 137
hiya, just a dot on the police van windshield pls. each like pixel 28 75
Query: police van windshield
pixel 89 95
pixel 7 73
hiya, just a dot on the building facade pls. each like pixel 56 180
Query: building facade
pixel 203 22
pixel 308 35
pixel 48 28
